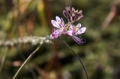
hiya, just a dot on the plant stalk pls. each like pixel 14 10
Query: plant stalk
pixel 77 57
pixel 26 61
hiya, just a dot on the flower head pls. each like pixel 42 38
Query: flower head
pixel 56 33
pixel 74 31
pixel 59 23
pixel 69 28
pixel 59 26
pixel 72 14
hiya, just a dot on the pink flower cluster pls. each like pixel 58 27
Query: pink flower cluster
pixel 68 28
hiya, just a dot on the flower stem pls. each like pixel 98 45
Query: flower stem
pixel 76 56
pixel 3 60
pixel 26 61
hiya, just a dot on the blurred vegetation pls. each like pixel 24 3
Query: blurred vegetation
pixel 100 54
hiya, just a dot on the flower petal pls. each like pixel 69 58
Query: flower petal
pixel 62 23
pixel 69 32
pixel 78 40
pixel 78 25
pixel 55 24
pixel 58 19
pixel 82 30
pixel 56 33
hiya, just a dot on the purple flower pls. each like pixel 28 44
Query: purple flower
pixel 78 30
pixel 68 29
pixel 59 23
pixel 59 27
pixel 65 14
pixel 72 14
pixel 74 31
pixel 68 10
pixel 56 33
pixel 73 17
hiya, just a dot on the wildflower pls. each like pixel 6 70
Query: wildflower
pixel 74 31
pixel 68 29
pixel 59 26
pixel 72 14
pixel 78 30
pixel 56 34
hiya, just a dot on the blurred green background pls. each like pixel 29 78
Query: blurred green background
pixel 100 54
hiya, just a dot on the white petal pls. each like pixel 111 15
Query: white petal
pixel 82 30
pixel 58 19
pixel 69 33
pixel 78 25
pixel 62 23
pixel 55 24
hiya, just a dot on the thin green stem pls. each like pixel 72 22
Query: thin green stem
pixel 76 56
pixel 3 60
pixel 26 60
pixel 31 70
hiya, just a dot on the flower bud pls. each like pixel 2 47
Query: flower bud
pixel 68 10
pixel 79 13
pixel 73 17
pixel 65 14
